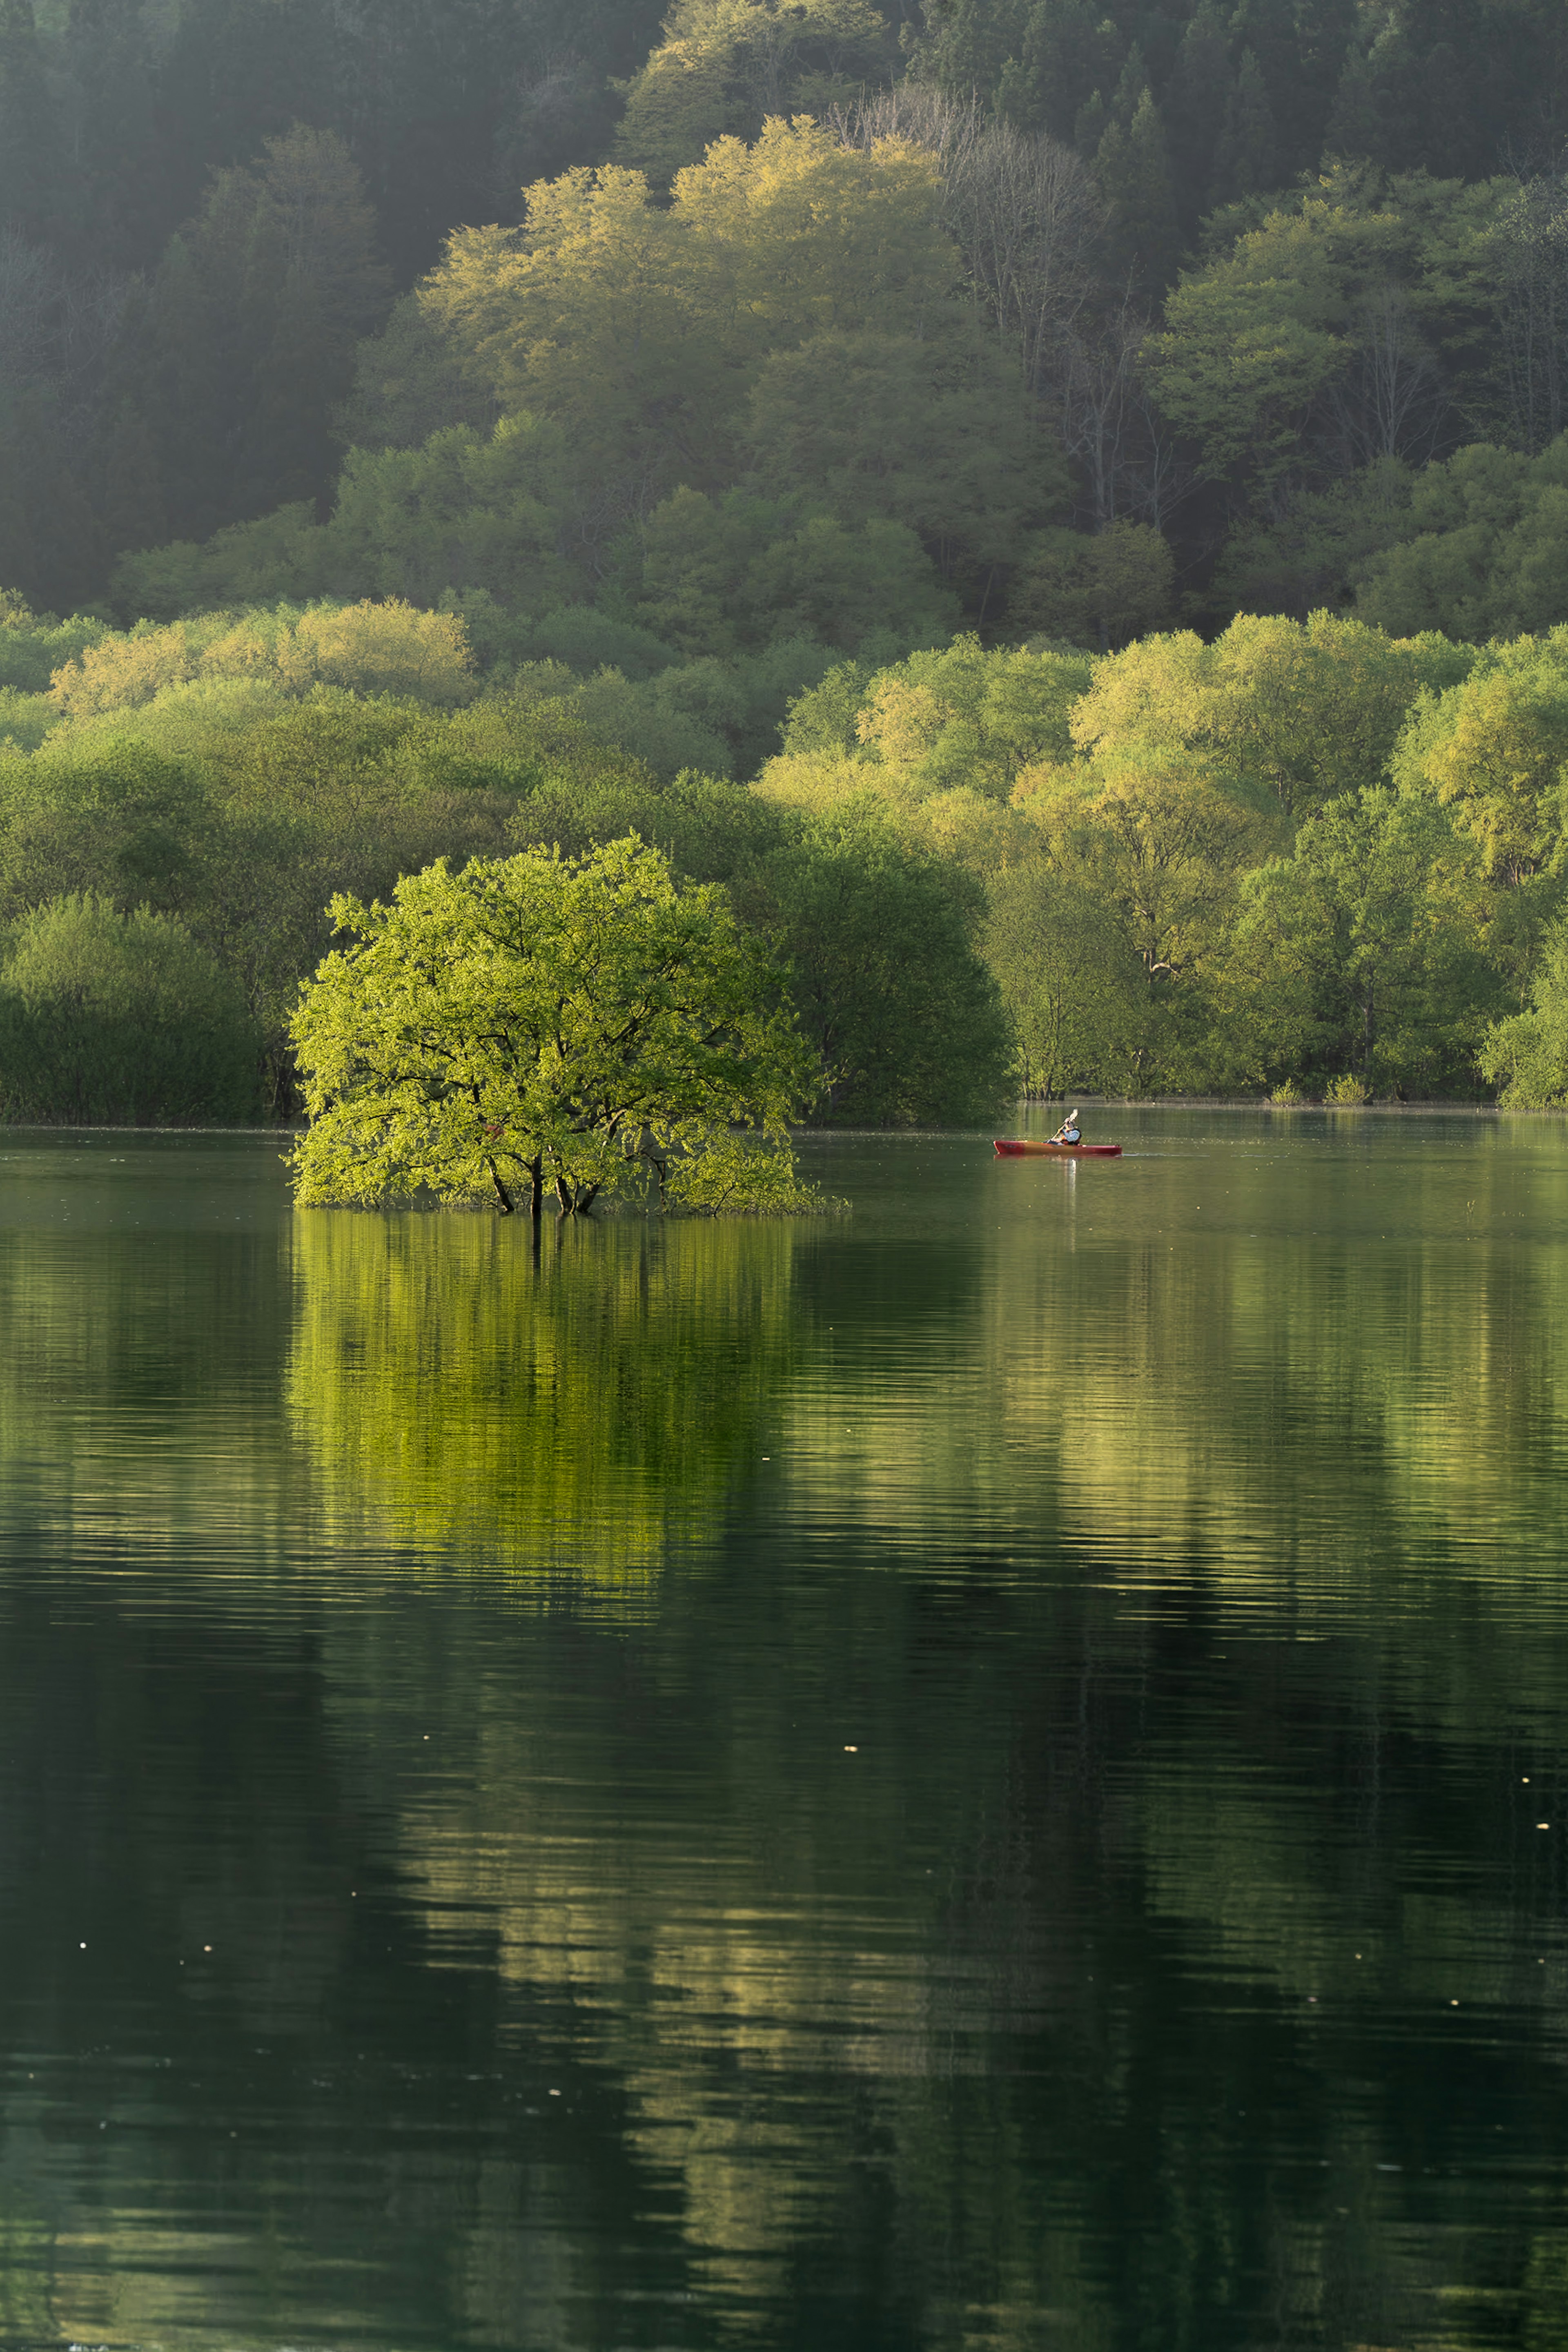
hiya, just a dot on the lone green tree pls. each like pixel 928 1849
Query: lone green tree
pixel 589 1024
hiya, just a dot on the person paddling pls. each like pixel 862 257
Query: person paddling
pixel 1069 1132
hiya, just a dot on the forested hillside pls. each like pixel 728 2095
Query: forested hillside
pixel 1236 276
pixel 1084 488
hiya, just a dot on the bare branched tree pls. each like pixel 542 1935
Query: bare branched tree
pixel 1023 211
pixel 1127 455
pixel 1531 254
pixel 28 279
pixel 1026 215
pixel 56 326
pixel 1390 401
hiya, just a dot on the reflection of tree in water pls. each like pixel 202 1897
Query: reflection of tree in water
pixel 129 1381
pixel 575 1411
pixel 1106 1976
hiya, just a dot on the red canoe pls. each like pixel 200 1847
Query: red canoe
pixel 1073 1151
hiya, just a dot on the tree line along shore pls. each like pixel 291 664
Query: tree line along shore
pixel 1308 859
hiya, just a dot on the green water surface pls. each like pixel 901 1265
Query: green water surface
pixel 990 1774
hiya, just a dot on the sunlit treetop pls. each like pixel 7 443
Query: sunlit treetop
pixel 587 1024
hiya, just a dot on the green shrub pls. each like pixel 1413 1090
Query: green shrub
pixel 121 1020
pixel 1526 1055
pixel 33 645
pixel 25 718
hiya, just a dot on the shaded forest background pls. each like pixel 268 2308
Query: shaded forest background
pixel 1064 509
pixel 209 207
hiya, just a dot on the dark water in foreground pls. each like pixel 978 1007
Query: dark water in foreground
pixel 992 1774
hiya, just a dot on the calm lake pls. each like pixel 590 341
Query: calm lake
pixel 988 1773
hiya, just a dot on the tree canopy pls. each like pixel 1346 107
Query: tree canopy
pixel 582 1024
pixel 1126 316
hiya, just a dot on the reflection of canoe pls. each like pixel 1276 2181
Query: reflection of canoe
pixel 1072 1151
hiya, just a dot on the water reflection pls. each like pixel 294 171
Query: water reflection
pixel 144 1324
pixel 565 1410
pixel 1016 1826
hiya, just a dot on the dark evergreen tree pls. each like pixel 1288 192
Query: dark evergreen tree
pixel 50 542
pixel 238 72
pixel 1460 88
pixel 1454 133
pixel 1268 30
pixel 1248 160
pixel 244 344
pixel 1070 48
pixel 1132 83
pixel 119 194
pixel 966 46
pixel 1327 32
pixel 1353 129
pixel 1089 124
pixel 1195 113
pixel 178 390
pixel 29 127
pixel 125 481
pixel 1142 239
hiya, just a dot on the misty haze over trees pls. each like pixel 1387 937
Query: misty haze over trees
pixel 837 441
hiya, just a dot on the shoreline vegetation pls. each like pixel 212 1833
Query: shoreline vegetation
pixel 1435 1107
pixel 1306 861
pixel 1059 528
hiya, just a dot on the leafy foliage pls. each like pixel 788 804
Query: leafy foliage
pixel 369 648
pixel 1526 1054
pixel 1271 709
pixel 883 965
pixel 1481 548
pixel 581 1023
pixel 121 1017
pixel 724 67
pixel 1360 953
pixel 1074 985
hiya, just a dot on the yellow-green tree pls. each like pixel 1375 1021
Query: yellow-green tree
pixel 641 326
pixel 371 648
pixel 1073 986
pixel 1526 1054
pixel 588 1023
pixel 1291 712
pixel 1159 848
pixel 1363 952
pixel 724 67
pixel 963 714
pixel 1495 750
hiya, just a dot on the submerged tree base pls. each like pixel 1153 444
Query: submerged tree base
pixel 808 1200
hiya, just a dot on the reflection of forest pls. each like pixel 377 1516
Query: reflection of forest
pixel 569 1413
pixel 138 1377
pixel 1190 1664
pixel 1184 1588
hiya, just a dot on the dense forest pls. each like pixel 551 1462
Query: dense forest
pixel 1062 508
